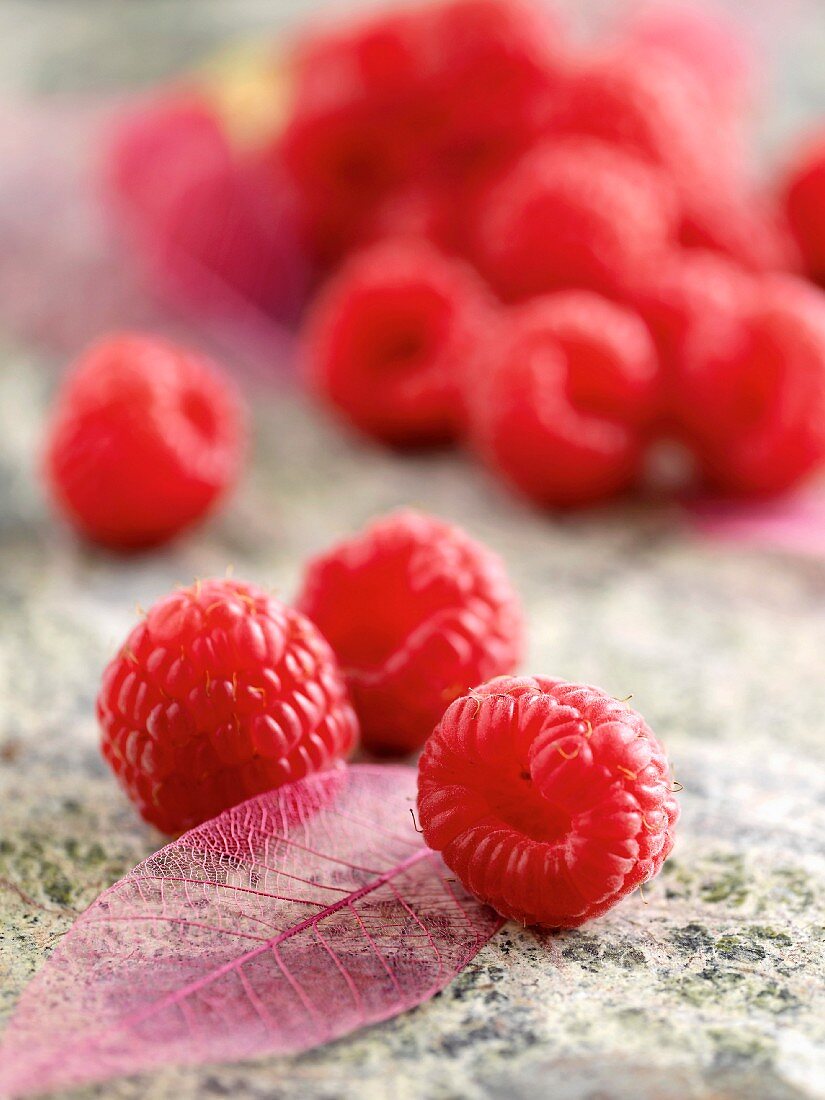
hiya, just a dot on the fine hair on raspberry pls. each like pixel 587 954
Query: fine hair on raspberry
pixel 549 800
pixel 416 612
pixel 220 693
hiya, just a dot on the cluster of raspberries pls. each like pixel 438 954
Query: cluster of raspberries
pixel 549 800
pixel 551 252
pixel 557 256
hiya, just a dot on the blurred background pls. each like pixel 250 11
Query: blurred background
pixel 714 986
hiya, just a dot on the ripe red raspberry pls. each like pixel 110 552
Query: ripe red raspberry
pixel 563 398
pixel 647 106
pixel 685 289
pixel 145 437
pixel 742 225
pixel 643 102
pixel 416 612
pixel 432 96
pixel 222 692
pixel 344 163
pixel 804 201
pixel 496 67
pixel 388 338
pixel 719 52
pixel 573 213
pixel 753 404
pixel 550 801
pixel 209 223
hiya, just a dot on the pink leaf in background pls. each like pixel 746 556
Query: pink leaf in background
pixel 794 524
pixel 285 922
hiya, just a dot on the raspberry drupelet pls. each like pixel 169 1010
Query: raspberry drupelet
pixel 145 437
pixel 563 399
pixel 550 801
pixel 222 692
pixel 416 612
pixel 387 341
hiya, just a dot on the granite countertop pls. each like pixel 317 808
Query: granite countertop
pixel 709 987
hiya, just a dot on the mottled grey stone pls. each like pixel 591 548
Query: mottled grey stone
pixel 709 986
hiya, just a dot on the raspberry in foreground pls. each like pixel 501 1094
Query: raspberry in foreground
pixel 550 801
pixel 751 396
pixel 388 339
pixel 145 437
pixel 577 212
pixel 222 692
pixel 564 397
pixel 416 612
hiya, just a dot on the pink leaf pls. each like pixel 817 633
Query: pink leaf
pixel 285 922
pixel 795 524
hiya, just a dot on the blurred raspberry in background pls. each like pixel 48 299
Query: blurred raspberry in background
pixel 486 133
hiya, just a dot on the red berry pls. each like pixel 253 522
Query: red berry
pixel 496 66
pixel 389 337
pixel 647 106
pixel 209 223
pixel 222 692
pixel 753 403
pixel 804 198
pixel 742 225
pixel 355 135
pixel 565 393
pixel 435 98
pixel 573 213
pixel 344 163
pixel 687 288
pixel 416 612
pixel 550 801
pixel 719 52
pixel 644 103
pixel 145 437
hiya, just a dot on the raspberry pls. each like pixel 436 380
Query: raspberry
pixel 687 288
pixel 643 102
pixel 753 403
pixel 388 338
pixel 566 391
pixel 742 225
pixel 573 213
pixel 222 692
pixel 144 439
pixel 416 612
pixel 208 223
pixel 717 51
pixel 647 106
pixel 496 68
pixel 550 801
pixel 804 201
pixel 344 163
pixel 437 97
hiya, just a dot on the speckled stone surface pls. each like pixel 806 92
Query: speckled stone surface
pixel 709 987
